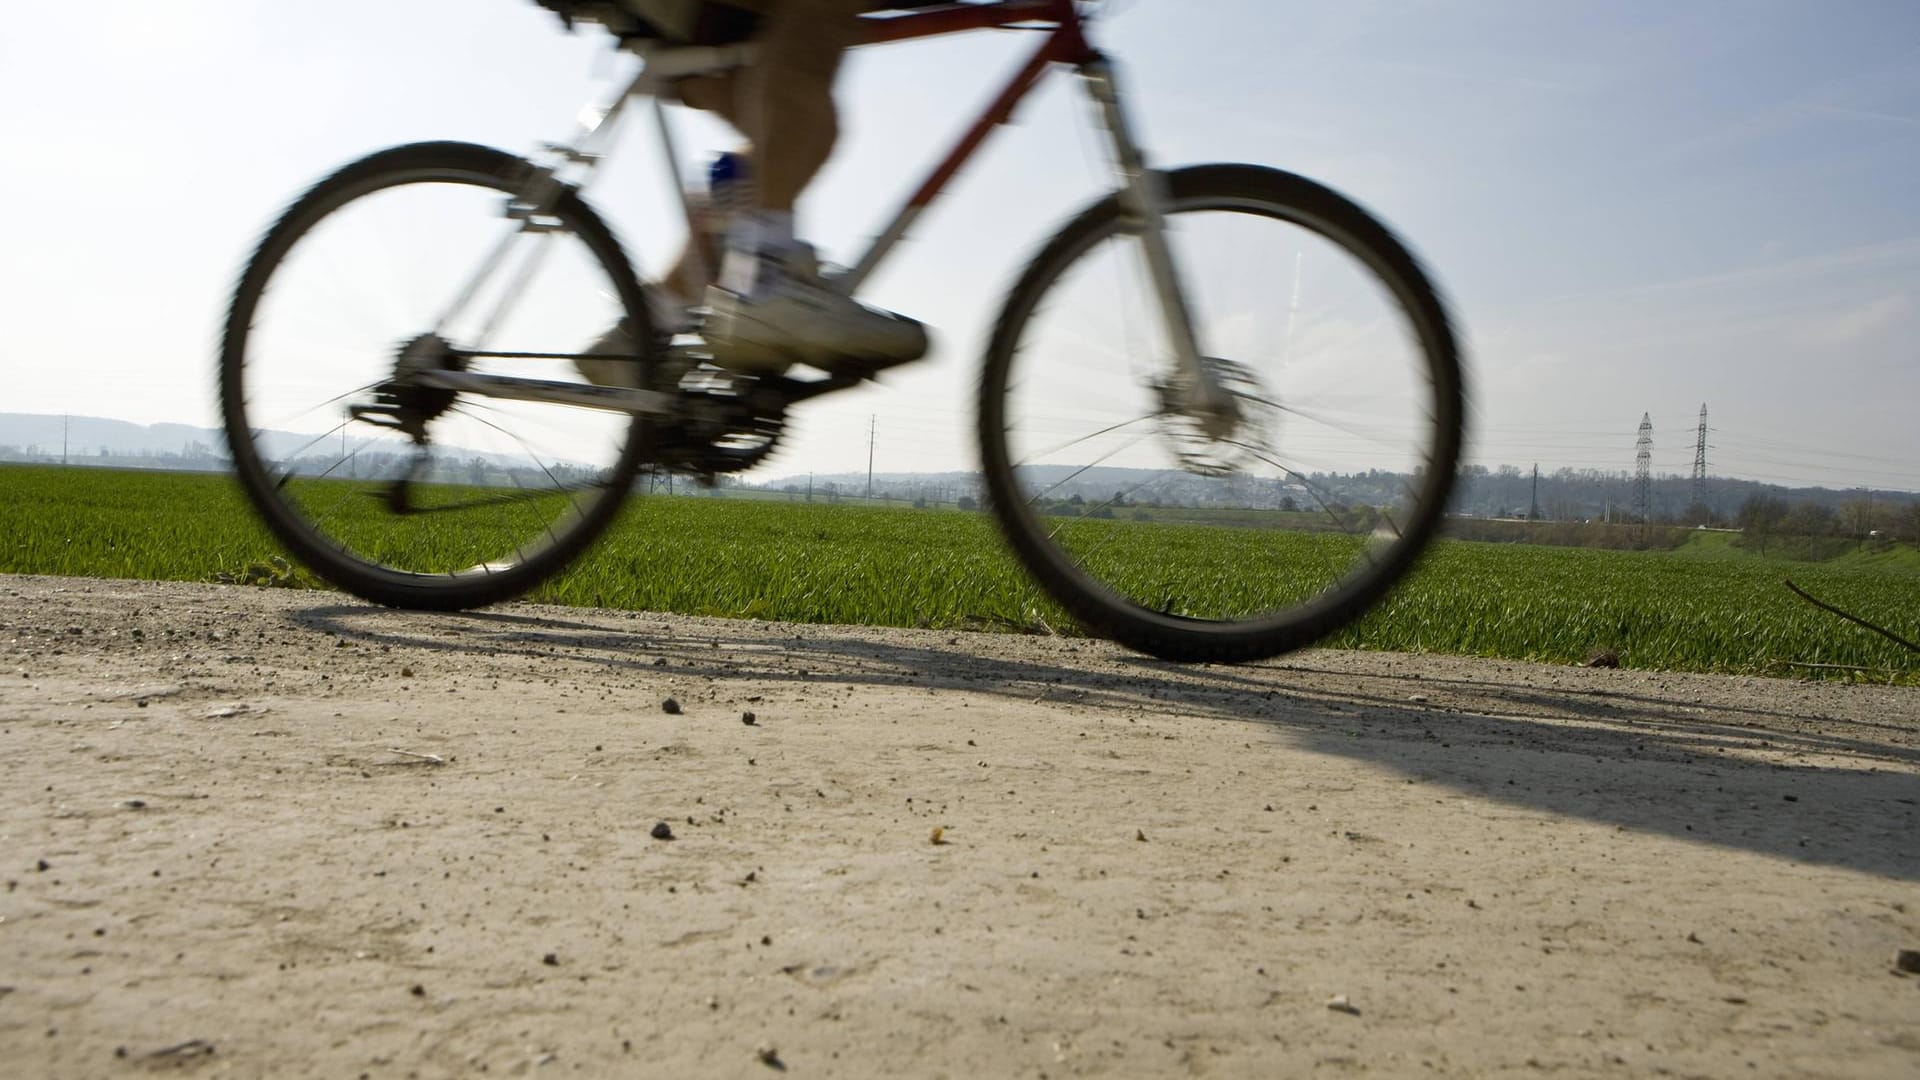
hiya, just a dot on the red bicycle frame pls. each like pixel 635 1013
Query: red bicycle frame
pixel 1064 44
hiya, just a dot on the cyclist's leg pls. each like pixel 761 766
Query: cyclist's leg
pixel 786 98
pixel 784 105
pixel 771 307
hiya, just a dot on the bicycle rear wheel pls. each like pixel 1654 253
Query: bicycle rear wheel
pixel 1174 536
pixel 398 492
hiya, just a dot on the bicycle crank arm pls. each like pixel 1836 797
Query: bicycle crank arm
pixel 609 398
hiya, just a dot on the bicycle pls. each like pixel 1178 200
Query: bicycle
pixel 1274 471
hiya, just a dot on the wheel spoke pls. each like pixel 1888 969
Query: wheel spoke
pixel 452 501
pixel 1261 527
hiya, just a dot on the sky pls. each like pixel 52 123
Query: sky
pixel 1633 207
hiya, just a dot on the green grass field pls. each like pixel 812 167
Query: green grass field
pixel 1707 606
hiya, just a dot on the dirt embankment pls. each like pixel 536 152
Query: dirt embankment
pixel 261 833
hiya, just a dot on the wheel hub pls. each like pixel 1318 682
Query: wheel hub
pixel 1217 437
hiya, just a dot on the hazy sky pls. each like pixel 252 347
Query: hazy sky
pixel 1634 206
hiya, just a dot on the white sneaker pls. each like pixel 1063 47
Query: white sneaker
pixel 794 318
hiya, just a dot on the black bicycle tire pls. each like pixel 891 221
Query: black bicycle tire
pixel 378 584
pixel 1173 637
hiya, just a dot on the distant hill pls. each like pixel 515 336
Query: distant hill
pixel 86 436
pixel 97 440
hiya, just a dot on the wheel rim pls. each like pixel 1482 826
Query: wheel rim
pixel 365 472
pixel 1120 490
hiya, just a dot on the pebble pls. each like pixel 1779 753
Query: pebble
pixel 1339 1003
pixel 749 719
pixel 670 707
pixel 662 831
pixel 1907 960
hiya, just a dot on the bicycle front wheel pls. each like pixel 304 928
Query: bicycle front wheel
pixel 1196 533
pixel 413 262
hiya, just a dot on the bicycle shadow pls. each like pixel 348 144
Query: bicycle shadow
pixel 1854 802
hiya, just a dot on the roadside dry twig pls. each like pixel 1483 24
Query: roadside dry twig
pixel 431 759
pixel 1888 634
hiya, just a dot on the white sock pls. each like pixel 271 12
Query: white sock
pixel 753 237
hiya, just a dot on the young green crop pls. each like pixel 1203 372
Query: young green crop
pixel 1703 607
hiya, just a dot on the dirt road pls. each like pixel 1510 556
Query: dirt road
pixel 253 832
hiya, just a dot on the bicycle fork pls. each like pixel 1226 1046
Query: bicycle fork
pixel 1143 198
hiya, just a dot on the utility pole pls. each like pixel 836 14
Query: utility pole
pixel 871 418
pixel 1643 472
pixel 1700 460
pixel 1533 510
pixel 64 419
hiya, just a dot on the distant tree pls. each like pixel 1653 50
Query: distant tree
pixel 966 502
pixel 1076 500
pixel 1906 523
pixel 1860 517
pixel 1288 504
pixel 1809 519
pixel 1760 517
pixel 1119 498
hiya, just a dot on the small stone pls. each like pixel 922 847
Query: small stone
pixel 1908 961
pixel 749 719
pixel 551 959
pixel 1140 835
pixel 662 831
pixel 670 707
pixel 406 673
pixel 418 990
pixel 939 836
pixel 771 1058
pixel 1339 1003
